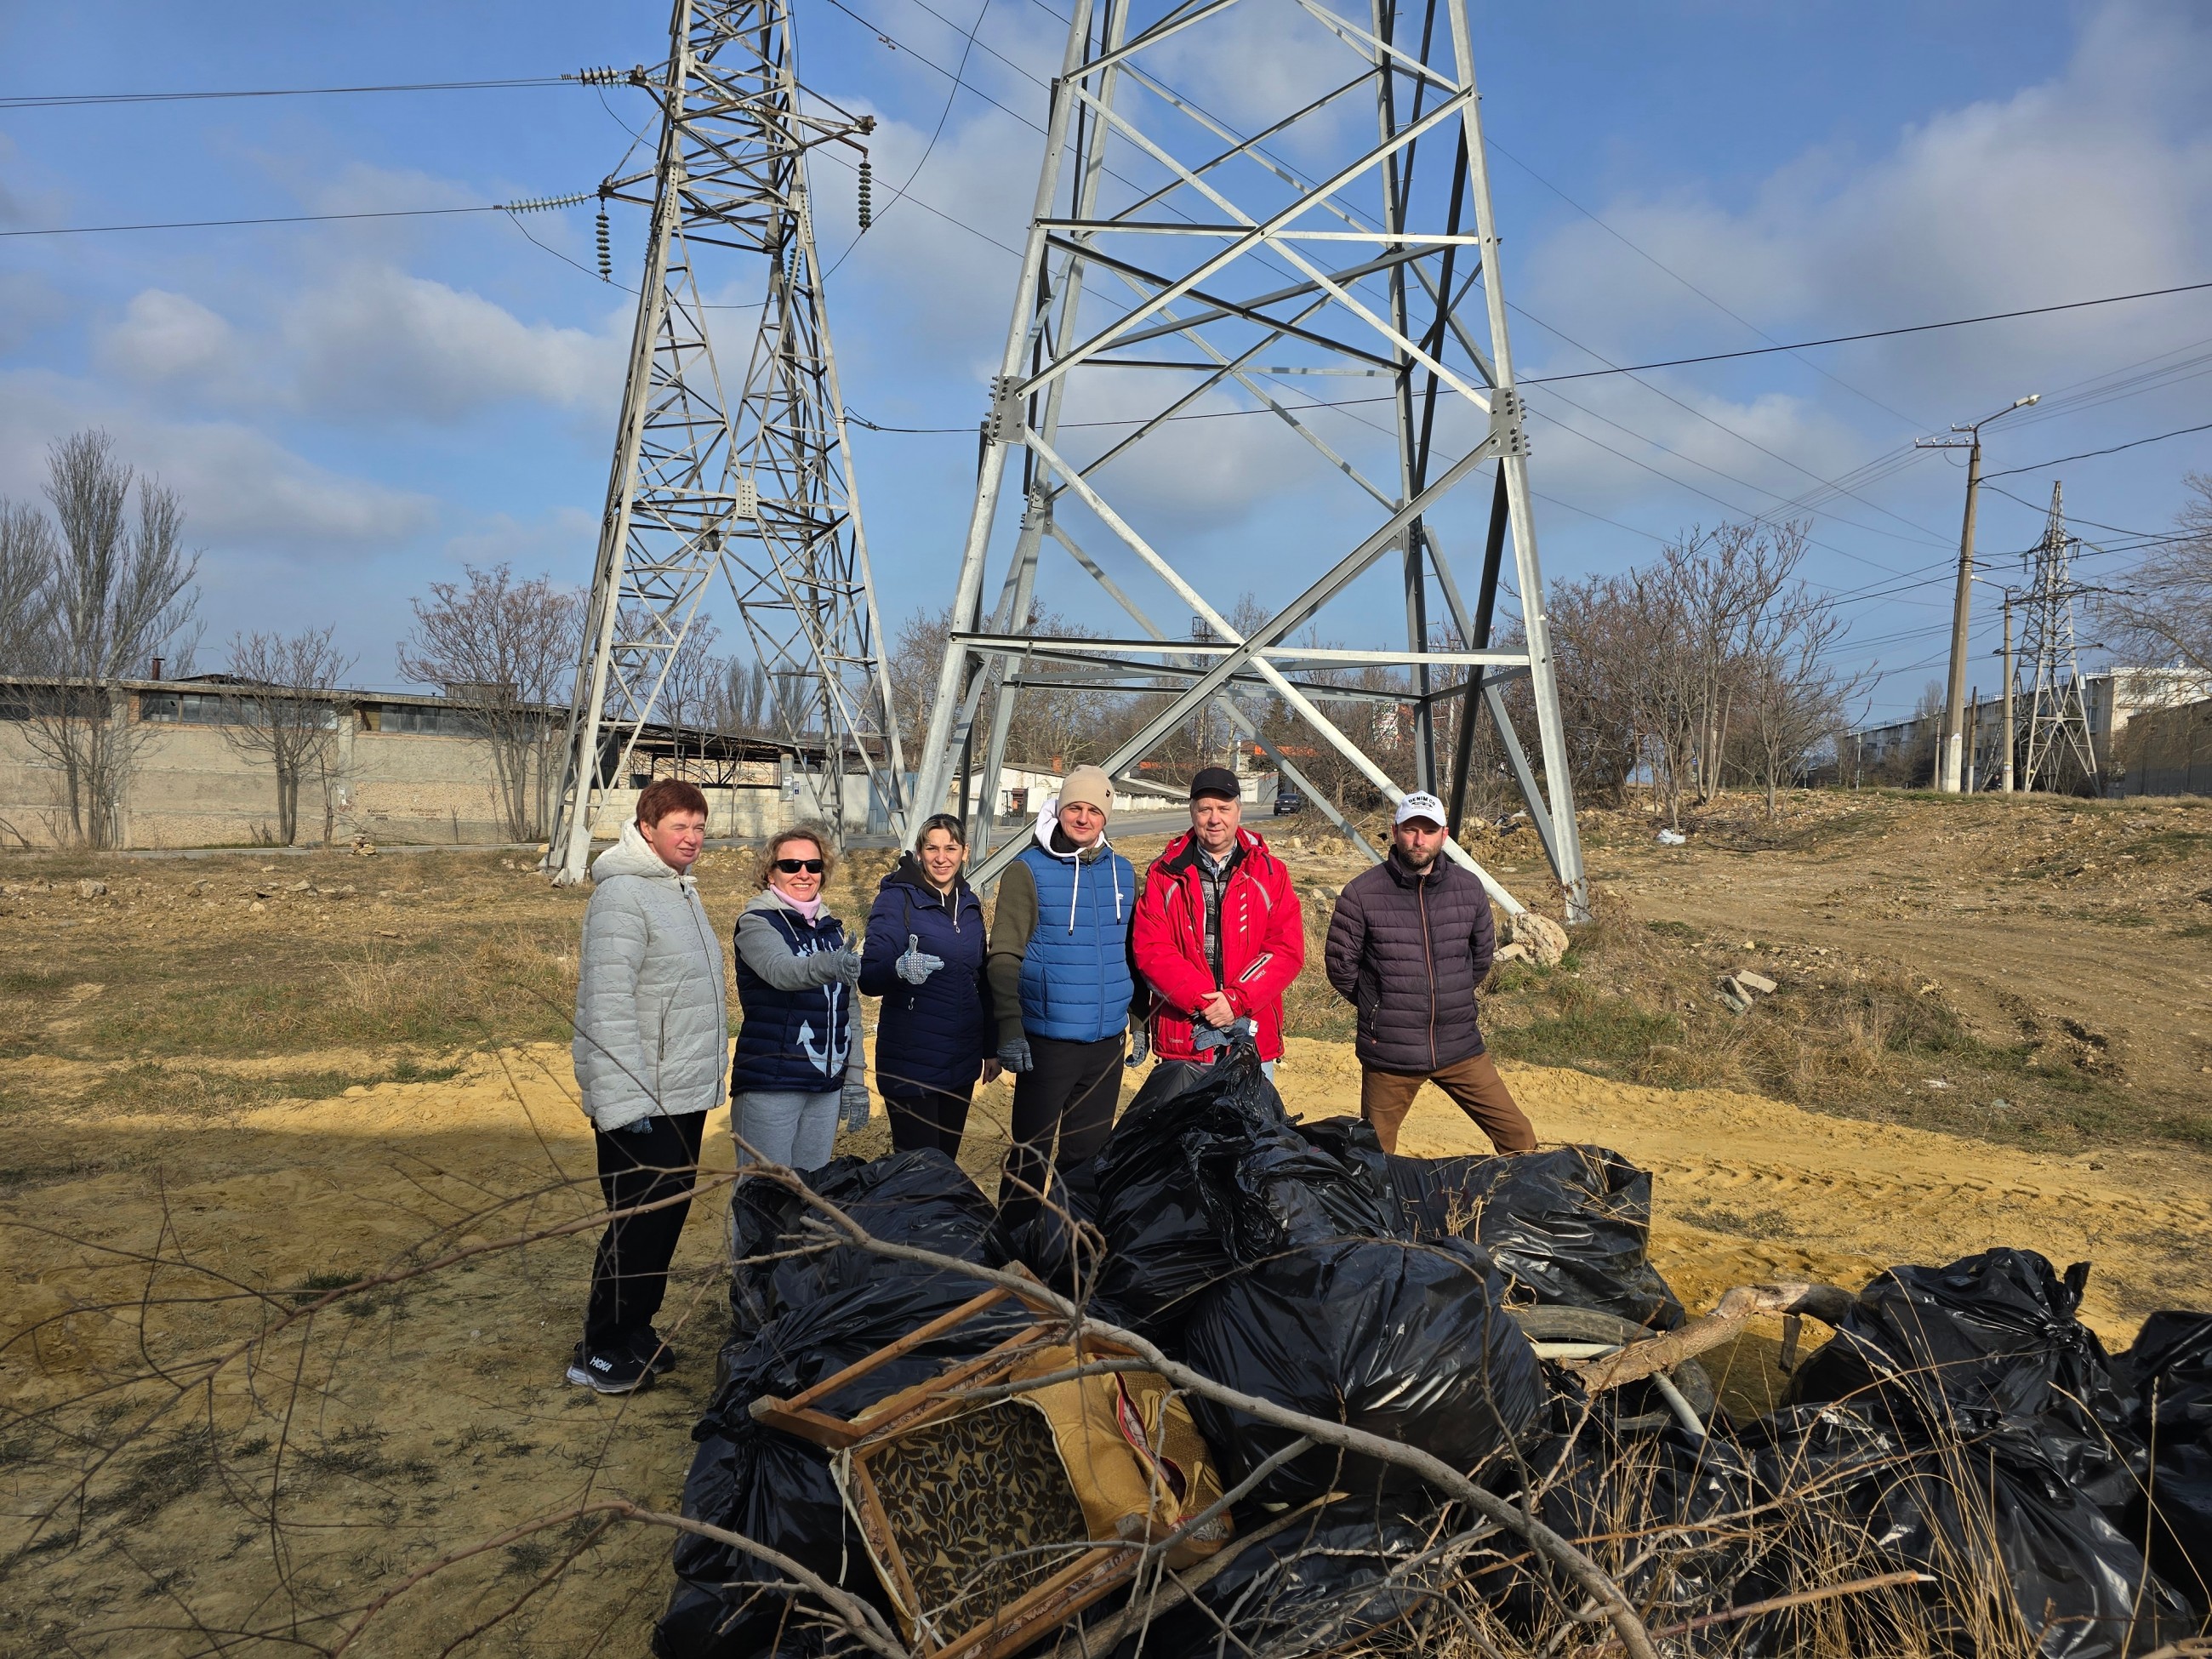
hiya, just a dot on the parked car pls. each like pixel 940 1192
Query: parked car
pixel 1288 801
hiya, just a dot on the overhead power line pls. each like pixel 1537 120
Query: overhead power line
pixel 539 205
pixel 2133 443
pixel 81 100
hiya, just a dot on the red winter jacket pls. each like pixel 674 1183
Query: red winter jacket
pixel 1263 943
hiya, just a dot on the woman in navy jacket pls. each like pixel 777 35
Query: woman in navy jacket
pixel 935 1038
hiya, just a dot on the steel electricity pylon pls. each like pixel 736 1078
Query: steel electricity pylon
pixel 2058 741
pixel 1328 268
pixel 731 467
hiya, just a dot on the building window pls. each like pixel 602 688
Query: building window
pixel 211 708
pixel 430 721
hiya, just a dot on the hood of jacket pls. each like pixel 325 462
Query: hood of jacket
pixel 633 855
pixel 1048 825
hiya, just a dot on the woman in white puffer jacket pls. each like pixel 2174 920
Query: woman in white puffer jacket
pixel 652 1050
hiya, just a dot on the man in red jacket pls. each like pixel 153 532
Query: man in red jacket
pixel 1217 934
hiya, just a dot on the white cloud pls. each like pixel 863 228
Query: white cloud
pixel 375 340
pixel 2099 182
pixel 162 335
pixel 238 484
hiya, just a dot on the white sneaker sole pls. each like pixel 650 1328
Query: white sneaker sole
pixel 584 1379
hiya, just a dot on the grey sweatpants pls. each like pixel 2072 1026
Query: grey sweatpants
pixel 784 1127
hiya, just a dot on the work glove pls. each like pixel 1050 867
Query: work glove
pixel 853 1101
pixel 848 968
pixel 1204 1036
pixel 1014 1055
pixel 917 965
pixel 1140 1046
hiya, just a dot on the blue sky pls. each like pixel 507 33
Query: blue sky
pixel 352 411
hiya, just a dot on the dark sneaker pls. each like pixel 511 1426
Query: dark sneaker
pixel 648 1346
pixel 618 1372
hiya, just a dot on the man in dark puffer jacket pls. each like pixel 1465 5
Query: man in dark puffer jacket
pixel 1410 941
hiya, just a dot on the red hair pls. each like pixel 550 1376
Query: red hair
pixel 664 796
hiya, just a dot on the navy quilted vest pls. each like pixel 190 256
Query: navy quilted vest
pixel 793 1040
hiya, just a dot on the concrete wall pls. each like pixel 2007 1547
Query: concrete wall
pixel 189 788
pixel 2167 751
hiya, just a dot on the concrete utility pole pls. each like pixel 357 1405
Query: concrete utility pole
pixel 1949 754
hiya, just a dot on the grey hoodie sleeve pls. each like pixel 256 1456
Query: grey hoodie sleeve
pixel 765 952
pixel 613 1070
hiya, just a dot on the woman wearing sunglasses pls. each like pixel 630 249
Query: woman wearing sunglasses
pixel 935 1036
pixel 799 1048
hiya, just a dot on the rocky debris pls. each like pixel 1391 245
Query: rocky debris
pixel 89 888
pixel 1738 988
pixel 1544 940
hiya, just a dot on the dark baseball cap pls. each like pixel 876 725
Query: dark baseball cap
pixel 1216 781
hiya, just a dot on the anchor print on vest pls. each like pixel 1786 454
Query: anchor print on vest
pixel 828 1060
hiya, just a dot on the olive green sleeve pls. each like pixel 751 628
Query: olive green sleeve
pixel 1011 923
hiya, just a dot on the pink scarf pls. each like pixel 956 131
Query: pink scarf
pixel 811 909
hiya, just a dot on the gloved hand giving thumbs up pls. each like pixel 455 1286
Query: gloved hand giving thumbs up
pixel 917 965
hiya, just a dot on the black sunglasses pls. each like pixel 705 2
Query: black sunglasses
pixel 793 866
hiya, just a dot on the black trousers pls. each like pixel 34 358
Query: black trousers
pixel 929 1117
pixel 1063 1111
pixel 629 1275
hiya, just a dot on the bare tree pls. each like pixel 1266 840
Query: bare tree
pixel 28 554
pixel 503 650
pixel 115 594
pixel 285 713
pixel 738 700
pixel 2165 615
pixel 1794 698
pixel 688 691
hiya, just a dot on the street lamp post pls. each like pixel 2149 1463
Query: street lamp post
pixel 1950 757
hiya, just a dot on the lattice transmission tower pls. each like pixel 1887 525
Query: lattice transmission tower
pixel 2057 742
pixel 1186 279
pixel 747 479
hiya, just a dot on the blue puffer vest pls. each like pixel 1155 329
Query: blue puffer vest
pixel 792 1041
pixel 1075 974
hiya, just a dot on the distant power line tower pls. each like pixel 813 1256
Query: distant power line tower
pixel 757 486
pixel 1185 281
pixel 2050 672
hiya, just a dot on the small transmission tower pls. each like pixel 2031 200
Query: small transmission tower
pixel 2058 746
pixel 1189 285
pixel 747 478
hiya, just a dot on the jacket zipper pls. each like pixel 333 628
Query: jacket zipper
pixel 1429 959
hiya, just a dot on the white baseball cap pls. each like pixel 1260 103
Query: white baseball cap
pixel 1421 804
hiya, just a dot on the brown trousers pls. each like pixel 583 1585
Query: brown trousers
pixel 1386 1097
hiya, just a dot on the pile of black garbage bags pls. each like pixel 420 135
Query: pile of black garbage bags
pixel 1962 1423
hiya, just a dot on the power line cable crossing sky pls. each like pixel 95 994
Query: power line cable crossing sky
pixel 259 256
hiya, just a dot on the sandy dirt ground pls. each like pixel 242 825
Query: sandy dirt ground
pixel 282 1492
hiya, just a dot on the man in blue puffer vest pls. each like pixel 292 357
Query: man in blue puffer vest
pixel 1065 987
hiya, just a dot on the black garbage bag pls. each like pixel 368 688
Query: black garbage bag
pixel 1201 1177
pixel 1571 1225
pixel 1612 1499
pixel 919 1197
pixel 2079 1588
pixel 1989 1351
pixel 1407 1341
pixel 1319 1584
pixel 2167 1381
pixel 777 1490
pixel 2003 1403
pixel 1050 1242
